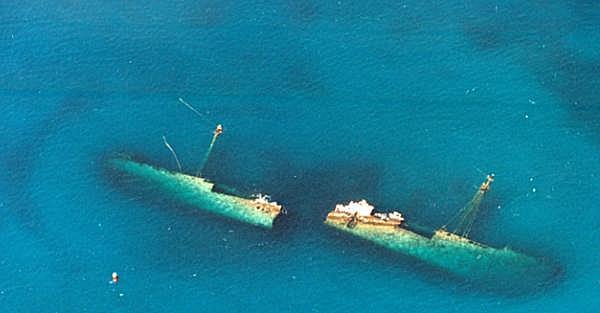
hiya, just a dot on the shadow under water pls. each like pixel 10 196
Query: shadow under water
pixel 19 161
pixel 543 51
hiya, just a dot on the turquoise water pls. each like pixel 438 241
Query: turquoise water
pixel 407 104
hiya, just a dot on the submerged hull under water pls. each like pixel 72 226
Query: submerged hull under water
pixel 198 192
pixel 497 268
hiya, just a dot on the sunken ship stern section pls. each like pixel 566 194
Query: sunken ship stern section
pixel 453 253
pixel 198 192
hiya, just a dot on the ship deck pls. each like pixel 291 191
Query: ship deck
pixel 367 220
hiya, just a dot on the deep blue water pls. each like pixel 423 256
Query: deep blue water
pixel 407 104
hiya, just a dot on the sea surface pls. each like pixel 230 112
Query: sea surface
pixel 408 104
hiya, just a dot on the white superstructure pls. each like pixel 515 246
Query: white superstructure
pixel 360 208
pixel 365 213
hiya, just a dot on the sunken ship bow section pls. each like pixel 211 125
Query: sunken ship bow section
pixel 450 251
pixel 196 191
pixel 200 193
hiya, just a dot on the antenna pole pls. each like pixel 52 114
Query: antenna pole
pixel 218 131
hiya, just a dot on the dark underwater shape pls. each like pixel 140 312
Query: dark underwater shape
pixel 17 164
pixel 497 269
pixel 200 193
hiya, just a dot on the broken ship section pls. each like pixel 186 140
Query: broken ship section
pixel 452 252
pixel 198 192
